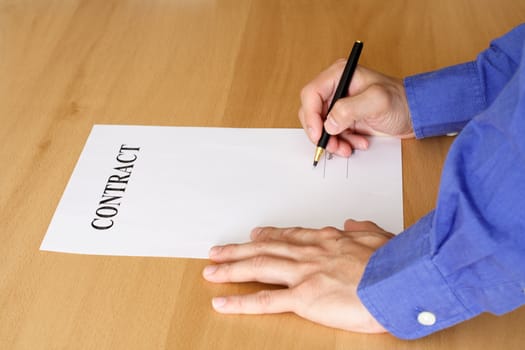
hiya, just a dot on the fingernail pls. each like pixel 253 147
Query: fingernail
pixel 331 125
pixel 363 145
pixel 210 270
pixel 218 302
pixel 332 121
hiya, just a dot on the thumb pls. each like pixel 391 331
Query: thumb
pixel 353 225
pixel 349 110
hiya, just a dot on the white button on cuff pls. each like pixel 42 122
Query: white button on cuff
pixel 426 318
pixel 452 134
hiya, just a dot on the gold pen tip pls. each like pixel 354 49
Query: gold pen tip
pixel 318 153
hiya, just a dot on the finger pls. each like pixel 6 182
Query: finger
pixel 368 239
pixel 312 124
pixel 315 97
pixel 261 268
pixel 234 252
pixel 339 146
pixel 295 235
pixel 263 302
pixel 354 225
pixel 371 102
pixel 356 141
pixel 325 83
pixel 364 77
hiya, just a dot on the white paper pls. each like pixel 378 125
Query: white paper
pixel 188 188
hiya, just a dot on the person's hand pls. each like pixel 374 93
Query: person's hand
pixel 376 104
pixel 321 270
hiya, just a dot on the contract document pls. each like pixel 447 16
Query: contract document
pixel 177 191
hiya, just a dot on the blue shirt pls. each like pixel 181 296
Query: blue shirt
pixel 467 256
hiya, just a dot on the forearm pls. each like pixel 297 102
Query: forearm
pixel 467 256
pixel 402 287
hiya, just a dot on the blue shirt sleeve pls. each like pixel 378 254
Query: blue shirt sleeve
pixel 468 255
pixel 445 101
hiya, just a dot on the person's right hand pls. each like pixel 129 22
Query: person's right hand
pixel 376 105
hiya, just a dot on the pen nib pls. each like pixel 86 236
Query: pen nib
pixel 318 153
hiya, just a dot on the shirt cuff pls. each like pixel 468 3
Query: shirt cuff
pixel 445 100
pixel 404 290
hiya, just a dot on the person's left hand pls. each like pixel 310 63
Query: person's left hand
pixel 320 268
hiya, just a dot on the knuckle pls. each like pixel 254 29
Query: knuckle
pixel 263 233
pixel 372 226
pixel 342 112
pixel 329 232
pixel 315 282
pixel 259 246
pixel 264 299
pixel 376 89
pixel 350 222
pixel 381 97
pixel 238 303
pixel 369 223
pixel 288 232
pixel 340 62
pixel 258 262
pixel 224 270
pixel 306 92
pixel 309 268
pixel 310 289
pixel 309 250
pixel 228 249
pixel 227 252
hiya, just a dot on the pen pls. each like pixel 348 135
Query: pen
pixel 342 88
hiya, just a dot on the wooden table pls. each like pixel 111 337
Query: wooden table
pixel 66 65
